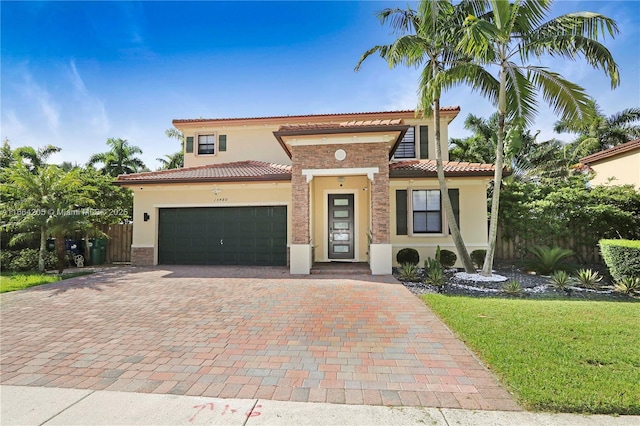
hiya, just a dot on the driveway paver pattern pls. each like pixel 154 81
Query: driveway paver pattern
pixel 241 333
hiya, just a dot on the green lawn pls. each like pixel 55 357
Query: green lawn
pixel 566 356
pixel 21 280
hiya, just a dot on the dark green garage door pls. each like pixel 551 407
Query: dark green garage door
pixel 223 236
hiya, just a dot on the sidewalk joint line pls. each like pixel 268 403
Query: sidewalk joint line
pixel 250 413
pixel 66 408
pixel 443 416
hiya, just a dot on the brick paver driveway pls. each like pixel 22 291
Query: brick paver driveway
pixel 208 331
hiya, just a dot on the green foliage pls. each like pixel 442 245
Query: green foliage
pixel 120 159
pixel 512 288
pixel 19 281
pixel 556 356
pixel 588 278
pixel 567 212
pixel 448 258
pixel 408 255
pixel 25 260
pixel 409 273
pixel 434 273
pixel 622 257
pixel 477 256
pixel 560 280
pixel 628 285
pixel 548 259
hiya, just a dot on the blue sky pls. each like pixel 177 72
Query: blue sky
pixel 76 73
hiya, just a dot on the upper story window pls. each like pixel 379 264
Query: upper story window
pixel 206 144
pixel 426 211
pixel 407 146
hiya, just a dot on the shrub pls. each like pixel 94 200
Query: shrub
pixel 548 259
pixel 448 258
pixel 588 278
pixel 622 257
pixel 434 274
pixel 25 260
pixel 6 257
pixel 560 280
pixel 512 288
pixel 409 273
pixel 477 257
pixel 408 255
pixel 627 285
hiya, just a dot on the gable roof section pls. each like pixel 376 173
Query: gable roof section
pixel 361 126
pixel 611 152
pixel 407 113
pixel 427 168
pixel 241 171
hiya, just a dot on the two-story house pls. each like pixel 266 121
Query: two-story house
pixel 294 190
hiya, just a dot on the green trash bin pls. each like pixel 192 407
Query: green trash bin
pixel 97 257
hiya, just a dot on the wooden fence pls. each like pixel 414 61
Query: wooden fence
pixel 119 239
pixel 516 248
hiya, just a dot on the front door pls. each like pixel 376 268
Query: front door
pixel 341 226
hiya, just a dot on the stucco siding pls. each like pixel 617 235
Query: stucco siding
pixel 473 217
pixel 623 169
pixel 150 198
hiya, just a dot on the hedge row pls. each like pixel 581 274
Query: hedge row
pixel 622 257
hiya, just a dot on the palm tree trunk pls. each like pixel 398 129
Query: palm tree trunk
pixel 61 252
pixel 497 176
pixel 43 248
pixel 446 201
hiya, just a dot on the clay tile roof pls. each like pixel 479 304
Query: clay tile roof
pixel 427 168
pixel 226 172
pixel 404 112
pixel 355 124
pixel 616 150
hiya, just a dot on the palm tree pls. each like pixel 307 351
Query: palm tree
pixel 120 160
pixel 600 132
pixel 505 38
pixel 172 161
pixel 426 39
pixel 36 157
pixel 44 199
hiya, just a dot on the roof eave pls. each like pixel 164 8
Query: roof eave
pixel 269 178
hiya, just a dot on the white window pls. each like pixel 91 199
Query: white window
pixel 206 144
pixel 426 211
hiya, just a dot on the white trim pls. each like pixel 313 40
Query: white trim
pixel 356 223
pixel 341 139
pixel 196 141
pixel 352 171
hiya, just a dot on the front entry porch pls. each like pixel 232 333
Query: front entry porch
pixel 340 268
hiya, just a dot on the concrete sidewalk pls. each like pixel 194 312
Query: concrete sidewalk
pixel 22 405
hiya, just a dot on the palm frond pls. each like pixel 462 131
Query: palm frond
pixel 625 117
pixel 521 96
pixel 566 98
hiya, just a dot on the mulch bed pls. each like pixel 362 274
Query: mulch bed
pixel 534 286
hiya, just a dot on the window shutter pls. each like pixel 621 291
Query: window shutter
pixel 424 142
pixel 189 147
pixel 222 143
pixel 454 195
pixel 401 212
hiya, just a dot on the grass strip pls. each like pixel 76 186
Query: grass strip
pixel 555 355
pixel 22 280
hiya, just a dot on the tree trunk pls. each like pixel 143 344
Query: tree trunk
pixel 446 201
pixel 43 249
pixel 61 252
pixel 497 176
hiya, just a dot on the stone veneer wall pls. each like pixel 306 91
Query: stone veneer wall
pixel 142 256
pixel 359 155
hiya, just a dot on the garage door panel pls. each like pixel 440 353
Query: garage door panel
pixel 249 236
